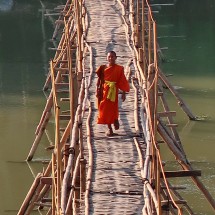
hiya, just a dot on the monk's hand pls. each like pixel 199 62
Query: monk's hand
pixel 123 96
pixel 98 92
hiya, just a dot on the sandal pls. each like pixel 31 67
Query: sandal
pixel 116 124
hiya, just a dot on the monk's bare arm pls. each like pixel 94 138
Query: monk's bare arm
pixel 99 85
pixel 123 96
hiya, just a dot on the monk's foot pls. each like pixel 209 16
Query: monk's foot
pixel 116 124
pixel 109 133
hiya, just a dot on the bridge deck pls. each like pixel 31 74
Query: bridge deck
pixel 116 183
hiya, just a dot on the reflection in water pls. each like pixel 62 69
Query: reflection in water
pixel 43 30
pixel 6 5
pixel 189 32
pixel 22 62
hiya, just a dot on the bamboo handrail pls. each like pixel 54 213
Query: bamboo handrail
pixel 54 76
pixel 90 166
pixel 70 199
pixel 57 156
pixel 74 137
pixel 151 105
pixel 136 108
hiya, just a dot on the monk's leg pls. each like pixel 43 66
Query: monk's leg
pixel 116 124
pixel 110 130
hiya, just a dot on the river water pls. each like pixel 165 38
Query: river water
pixel 186 36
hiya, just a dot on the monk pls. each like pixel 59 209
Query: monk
pixel 111 78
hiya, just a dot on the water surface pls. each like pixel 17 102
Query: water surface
pixel 187 35
pixel 24 55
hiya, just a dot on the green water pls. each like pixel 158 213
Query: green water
pixel 24 42
pixel 189 34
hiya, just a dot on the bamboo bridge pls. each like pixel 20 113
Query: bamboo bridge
pixel 89 173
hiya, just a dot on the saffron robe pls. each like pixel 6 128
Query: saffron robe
pixel 108 110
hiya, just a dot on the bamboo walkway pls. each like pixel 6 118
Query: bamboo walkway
pixel 116 179
pixel 90 173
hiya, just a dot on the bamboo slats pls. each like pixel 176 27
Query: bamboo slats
pixel 89 173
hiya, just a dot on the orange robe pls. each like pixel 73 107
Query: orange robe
pixel 108 110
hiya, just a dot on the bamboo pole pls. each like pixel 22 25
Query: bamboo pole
pixel 58 163
pixel 47 108
pixel 71 88
pixel 90 166
pixel 145 175
pixel 68 172
pixel 82 160
pixel 53 189
pixel 63 141
pixel 57 140
pixel 75 174
pixel 59 144
pixel 49 211
pixel 158 184
pixel 74 137
pixel 62 47
pixel 38 195
pixel 41 190
pixel 157 171
pixel 149 40
pixel 170 118
pixel 30 194
pixel 139 71
pixel 180 100
pixel 44 119
pixel 74 134
pixel 91 66
pixel 136 108
pixel 189 210
pixel 137 24
pixel 38 136
pixel 175 142
pixel 150 111
pixel 179 155
pixel 49 103
pixel 186 166
pixel 64 11
pixel 173 129
pixel 79 34
pixel 143 37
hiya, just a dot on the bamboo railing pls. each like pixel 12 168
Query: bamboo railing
pixel 145 43
pixel 65 74
pixel 66 179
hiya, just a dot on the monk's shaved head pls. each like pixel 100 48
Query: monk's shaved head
pixel 111 58
pixel 112 52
